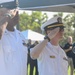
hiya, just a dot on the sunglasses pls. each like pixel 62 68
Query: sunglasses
pixel 61 28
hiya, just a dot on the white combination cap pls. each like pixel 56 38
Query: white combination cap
pixel 52 23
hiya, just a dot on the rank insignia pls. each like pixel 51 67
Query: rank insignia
pixel 59 20
pixel 23 43
pixel 52 56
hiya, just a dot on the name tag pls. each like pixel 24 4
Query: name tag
pixel 52 56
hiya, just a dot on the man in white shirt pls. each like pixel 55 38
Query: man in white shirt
pixel 52 60
pixel 13 52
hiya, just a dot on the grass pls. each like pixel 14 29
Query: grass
pixel 69 71
pixel 35 70
pixel 29 70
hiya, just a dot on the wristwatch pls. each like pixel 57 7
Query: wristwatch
pixel 46 37
pixel 9 15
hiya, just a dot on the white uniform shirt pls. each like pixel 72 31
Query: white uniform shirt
pixel 13 54
pixel 52 61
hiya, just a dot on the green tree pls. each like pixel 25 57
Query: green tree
pixel 32 21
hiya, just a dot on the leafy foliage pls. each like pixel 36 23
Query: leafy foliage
pixel 32 21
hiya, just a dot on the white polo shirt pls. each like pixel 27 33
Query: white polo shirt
pixel 13 54
pixel 52 61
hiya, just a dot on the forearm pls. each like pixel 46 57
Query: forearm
pixel 38 49
pixel 35 52
pixel 67 50
pixel 3 24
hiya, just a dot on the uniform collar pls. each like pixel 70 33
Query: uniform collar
pixel 6 31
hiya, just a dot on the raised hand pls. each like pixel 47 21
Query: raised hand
pixel 53 33
pixel 12 13
pixel 3 11
pixel 5 16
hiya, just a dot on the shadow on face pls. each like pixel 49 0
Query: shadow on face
pixel 15 20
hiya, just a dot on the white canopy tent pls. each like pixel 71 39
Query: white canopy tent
pixel 34 36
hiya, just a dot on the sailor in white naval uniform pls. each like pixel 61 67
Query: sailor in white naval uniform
pixel 52 59
pixel 13 52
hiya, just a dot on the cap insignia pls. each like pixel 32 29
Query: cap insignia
pixel 59 19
